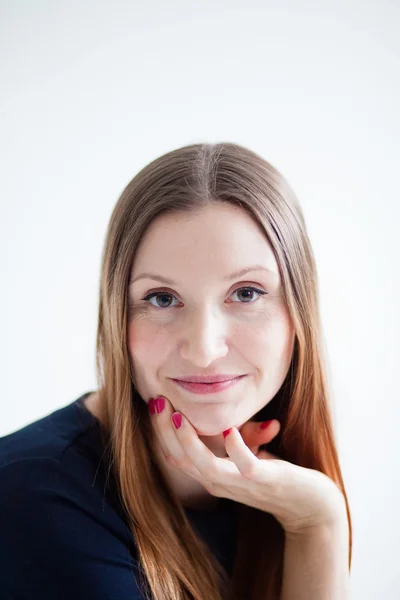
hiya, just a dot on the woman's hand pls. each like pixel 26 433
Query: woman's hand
pixel 299 498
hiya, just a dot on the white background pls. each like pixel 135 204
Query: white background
pixel 92 91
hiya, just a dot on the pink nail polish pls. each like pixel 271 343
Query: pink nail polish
pixel 225 433
pixel 177 420
pixel 152 407
pixel 265 424
pixel 160 405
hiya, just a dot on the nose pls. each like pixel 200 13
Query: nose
pixel 203 341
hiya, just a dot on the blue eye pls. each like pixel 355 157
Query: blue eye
pixel 156 294
pixel 166 296
pixel 251 289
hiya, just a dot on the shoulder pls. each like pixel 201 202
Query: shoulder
pixel 36 490
pixel 48 436
pixel 54 466
pixel 60 535
pixel 57 533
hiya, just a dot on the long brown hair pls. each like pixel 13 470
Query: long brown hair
pixel 175 564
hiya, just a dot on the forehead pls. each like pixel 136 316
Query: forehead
pixel 217 239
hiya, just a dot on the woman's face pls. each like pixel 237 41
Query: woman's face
pixel 205 320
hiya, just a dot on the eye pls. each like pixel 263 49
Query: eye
pixel 249 294
pixel 163 295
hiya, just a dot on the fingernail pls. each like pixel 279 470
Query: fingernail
pixel 265 424
pixel 151 406
pixel 159 404
pixel 177 420
pixel 225 433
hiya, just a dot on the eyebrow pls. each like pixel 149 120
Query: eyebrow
pixel 239 273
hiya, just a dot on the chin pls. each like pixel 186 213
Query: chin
pixel 209 432
pixel 210 425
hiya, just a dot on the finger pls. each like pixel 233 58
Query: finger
pixel 175 453
pixel 160 441
pixel 166 436
pixel 252 468
pixel 210 467
pixel 254 436
pixel 242 456
pixel 253 431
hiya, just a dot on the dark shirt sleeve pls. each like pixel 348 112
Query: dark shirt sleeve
pixel 58 540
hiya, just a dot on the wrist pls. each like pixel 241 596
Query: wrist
pixel 336 524
pixel 334 529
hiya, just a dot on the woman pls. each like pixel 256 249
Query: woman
pixel 160 482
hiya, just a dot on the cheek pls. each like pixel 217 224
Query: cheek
pixel 269 342
pixel 148 344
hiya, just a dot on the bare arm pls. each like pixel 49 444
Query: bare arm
pixel 316 563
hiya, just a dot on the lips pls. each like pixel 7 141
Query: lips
pixel 209 388
pixel 207 378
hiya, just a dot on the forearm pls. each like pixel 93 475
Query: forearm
pixel 316 564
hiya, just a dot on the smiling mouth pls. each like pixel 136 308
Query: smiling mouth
pixel 208 388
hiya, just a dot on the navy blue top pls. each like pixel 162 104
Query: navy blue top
pixel 63 532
